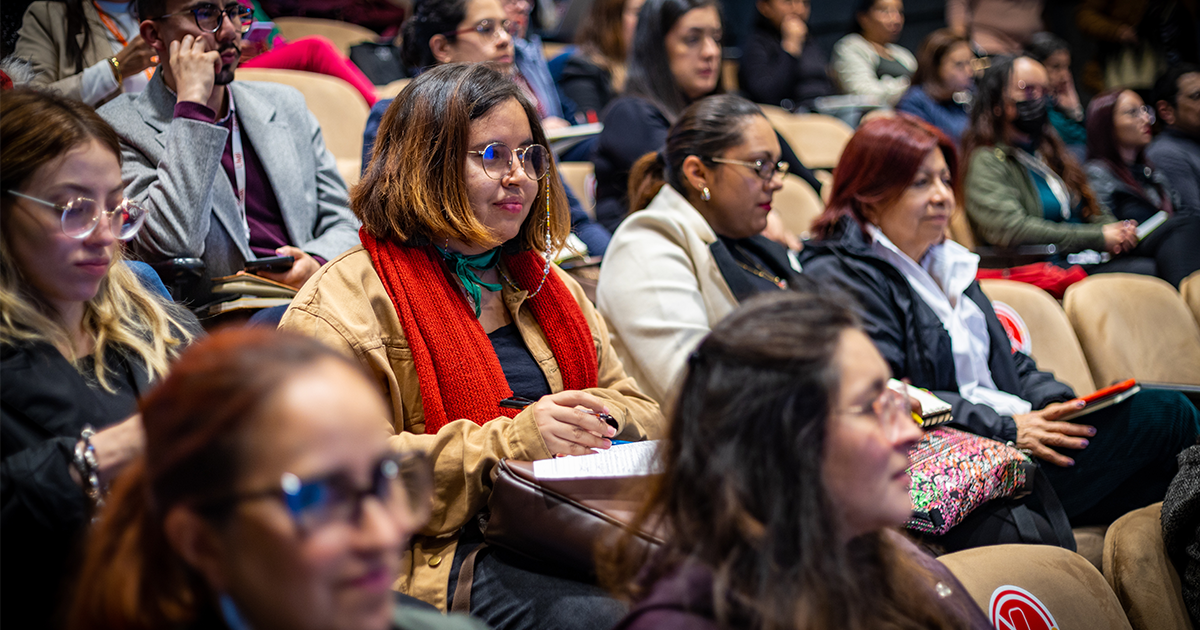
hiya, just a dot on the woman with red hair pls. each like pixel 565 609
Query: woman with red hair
pixel 1127 184
pixel 883 241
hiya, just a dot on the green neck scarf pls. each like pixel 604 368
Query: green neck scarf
pixel 467 268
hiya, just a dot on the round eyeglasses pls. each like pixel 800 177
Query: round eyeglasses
pixel 81 215
pixel 763 168
pixel 209 16
pixel 888 409
pixel 497 160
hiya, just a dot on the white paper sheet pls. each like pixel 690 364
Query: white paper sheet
pixel 622 460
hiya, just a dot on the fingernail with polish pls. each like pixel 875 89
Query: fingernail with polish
pixel 1085 443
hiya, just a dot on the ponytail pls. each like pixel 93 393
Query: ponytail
pixel 130 576
pixel 646 178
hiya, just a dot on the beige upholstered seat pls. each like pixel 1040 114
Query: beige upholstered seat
pixel 393 89
pixel 339 108
pixel 797 204
pixel 1190 289
pixel 1133 326
pixel 581 177
pixel 1141 575
pixel 817 139
pixel 342 34
pixel 1073 591
pixel 1054 346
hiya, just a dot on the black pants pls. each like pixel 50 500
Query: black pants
pixel 510 592
pixel 1130 461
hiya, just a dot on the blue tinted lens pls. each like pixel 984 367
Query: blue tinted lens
pixel 303 497
pixel 489 152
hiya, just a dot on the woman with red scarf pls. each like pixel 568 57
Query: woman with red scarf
pixel 484 349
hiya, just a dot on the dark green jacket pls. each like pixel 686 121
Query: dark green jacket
pixel 1004 208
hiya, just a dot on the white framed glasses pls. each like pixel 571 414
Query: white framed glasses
pixel 81 215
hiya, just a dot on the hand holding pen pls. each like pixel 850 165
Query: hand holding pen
pixel 571 422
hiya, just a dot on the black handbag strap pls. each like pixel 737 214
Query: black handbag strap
pixel 1053 511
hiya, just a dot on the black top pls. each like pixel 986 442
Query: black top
pixel 634 127
pixel 913 340
pixel 520 369
pixel 586 83
pixel 769 74
pixel 752 265
pixel 44 403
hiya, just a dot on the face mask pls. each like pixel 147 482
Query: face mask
pixel 1031 116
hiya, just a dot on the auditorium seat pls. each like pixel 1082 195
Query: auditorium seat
pixel 1139 572
pixel 339 108
pixel 342 34
pixel 1071 589
pixel 1134 326
pixel 797 204
pixel 1053 343
pixel 817 139
pixel 1190 289
pixel 581 178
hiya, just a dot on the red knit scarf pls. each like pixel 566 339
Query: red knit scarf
pixel 459 374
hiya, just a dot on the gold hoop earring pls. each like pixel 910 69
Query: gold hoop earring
pixel 705 195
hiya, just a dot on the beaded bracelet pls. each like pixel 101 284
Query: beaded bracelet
pixel 88 466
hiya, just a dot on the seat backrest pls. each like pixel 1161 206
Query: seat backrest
pixel 1190 289
pixel 581 177
pixel 393 89
pixel 342 34
pixel 1053 343
pixel 1140 573
pixel 817 139
pixel 797 204
pixel 1069 587
pixel 339 108
pixel 960 230
pixel 1133 326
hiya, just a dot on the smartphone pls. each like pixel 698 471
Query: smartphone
pixel 258 32
pixel 273 264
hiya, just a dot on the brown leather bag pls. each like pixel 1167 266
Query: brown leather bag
pixel 562 522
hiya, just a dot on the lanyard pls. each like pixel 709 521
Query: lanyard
pixel 239 165
pixel 116 32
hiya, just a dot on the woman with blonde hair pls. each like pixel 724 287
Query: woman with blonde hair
pixel 81 338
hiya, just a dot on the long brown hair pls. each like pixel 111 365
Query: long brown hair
pixel 131 577
pixel 36 128
pixel 741 491
pixel 878 164
pixel 1102 145
pixel 414 185
pixel 987 129
pixel 602 38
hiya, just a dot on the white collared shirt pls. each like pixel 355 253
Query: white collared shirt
pixel 944 273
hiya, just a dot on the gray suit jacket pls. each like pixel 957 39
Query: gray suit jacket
pixel 173 167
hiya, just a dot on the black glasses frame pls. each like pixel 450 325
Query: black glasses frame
pixel 244 15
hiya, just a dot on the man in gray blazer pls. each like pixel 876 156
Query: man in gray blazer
pixel 230 171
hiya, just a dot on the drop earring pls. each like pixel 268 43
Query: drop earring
pixel 705 195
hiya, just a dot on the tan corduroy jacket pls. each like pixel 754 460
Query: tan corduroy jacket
pixel 346 306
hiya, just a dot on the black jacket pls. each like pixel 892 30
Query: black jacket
pixel 44 403
pixel 769 74
pixel 633 127
pixel 912 339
